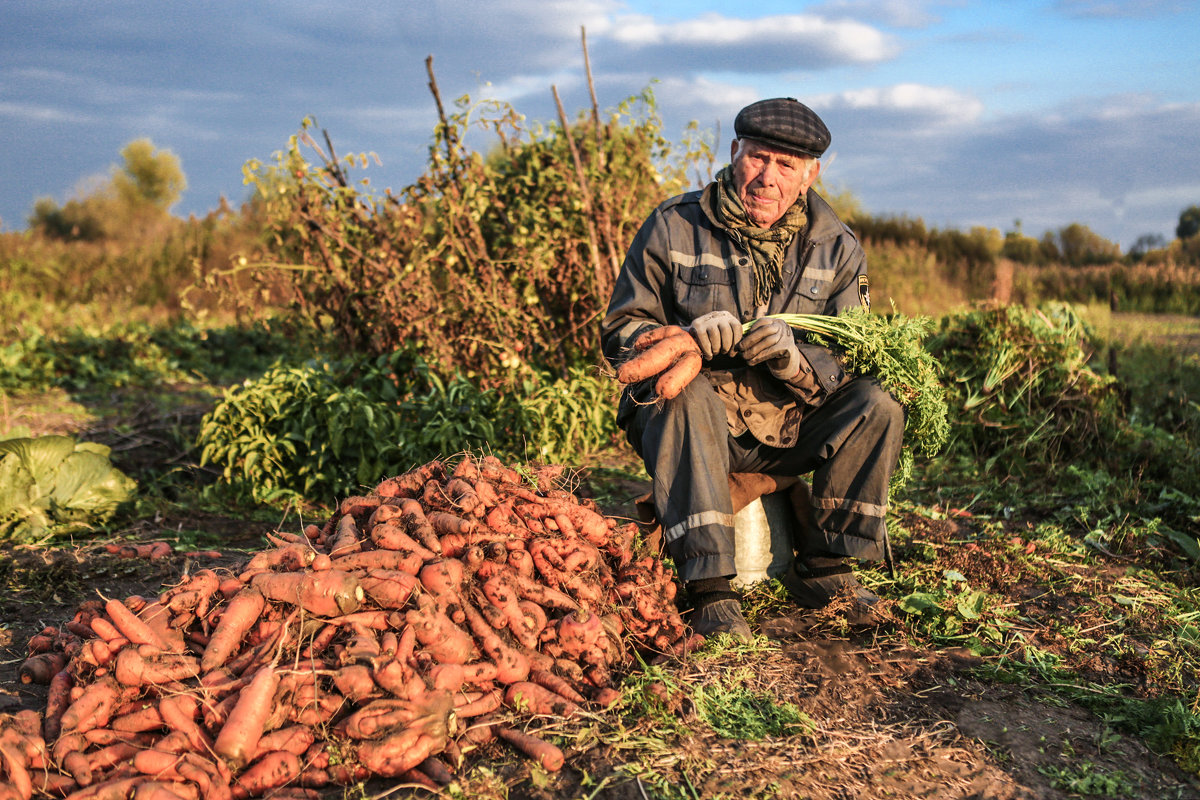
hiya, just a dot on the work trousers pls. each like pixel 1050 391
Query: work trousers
pixel 850 444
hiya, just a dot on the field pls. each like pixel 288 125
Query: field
pixel 1039 648
pixel 251 370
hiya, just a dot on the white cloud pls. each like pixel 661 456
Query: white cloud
pixel 839 40
pixel 908 100
pixel 33 112
pixel 896 13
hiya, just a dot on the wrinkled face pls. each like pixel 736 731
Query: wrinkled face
pixel 768 181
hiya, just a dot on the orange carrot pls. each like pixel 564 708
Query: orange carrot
pixel 131 626
pixel 656 335
pixel 388 588
pixel 511 665
pixel 405 561
pixel 537 699
pixel 144 719
pixel 412 516
pixel 238 739
pixel 355 681
pixel 556 684
pixel 444 577
pixel 390 537
pixel 358 506
pixel 286 557
pixel 157 617
pixel 346 539
pixel 444 523
pixel 93 707
pixel 549 756
pixel 270 771
pixel 179 712
pixel 445 641
pixel 134 669
pixel 328 593
pixel 478 703
pixel 397 753
pixel 294 739
pixel 673 381
pixel 239 616
pixel 656 360
pixel 463 495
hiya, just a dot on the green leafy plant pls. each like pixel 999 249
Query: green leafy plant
pixel 329 429
pixel 890 349
pixel 54 483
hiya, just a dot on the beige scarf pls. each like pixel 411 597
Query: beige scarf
pixel 767 245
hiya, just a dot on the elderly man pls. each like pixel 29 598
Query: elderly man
pixel 756 241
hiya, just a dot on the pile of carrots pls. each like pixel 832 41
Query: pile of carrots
pixel 452 607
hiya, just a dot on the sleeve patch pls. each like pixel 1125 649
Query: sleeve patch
pixel 864 292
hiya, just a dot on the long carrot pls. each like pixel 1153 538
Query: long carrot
pixel 681 373
pixel 240 615
pixel 238 739
pixel 548 755
pixel 130 626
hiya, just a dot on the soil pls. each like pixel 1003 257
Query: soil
pixel 885 718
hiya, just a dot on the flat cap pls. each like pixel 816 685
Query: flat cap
pixel 783 122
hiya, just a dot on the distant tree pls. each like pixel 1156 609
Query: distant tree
pixel 1144 244
pixel 1021 248
pixel 135 198
pixel 148 177
pixel 1049 248
pixel 78 219
pixel 1080 245
pixel 1189 223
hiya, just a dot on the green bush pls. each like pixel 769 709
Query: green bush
pixel 1021 393
pixel 323 430
pixel 1026 403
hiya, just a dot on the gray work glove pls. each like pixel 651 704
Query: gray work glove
pixel 771 341
pixel 717 333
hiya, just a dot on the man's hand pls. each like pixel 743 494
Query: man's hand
pixel 771 341
pixel 717 333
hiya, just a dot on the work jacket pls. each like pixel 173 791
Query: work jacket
pixel 684 264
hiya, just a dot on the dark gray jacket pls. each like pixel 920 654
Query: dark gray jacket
pixel 683 264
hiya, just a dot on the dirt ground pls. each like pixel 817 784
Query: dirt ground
pixel 887 719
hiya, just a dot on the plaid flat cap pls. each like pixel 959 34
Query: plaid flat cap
pixel 783 122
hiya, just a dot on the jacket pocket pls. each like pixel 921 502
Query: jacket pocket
pixel 704 285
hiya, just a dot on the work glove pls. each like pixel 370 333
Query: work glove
pixel 770 341
pixel 717 333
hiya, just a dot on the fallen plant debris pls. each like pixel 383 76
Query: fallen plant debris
pixel 452 606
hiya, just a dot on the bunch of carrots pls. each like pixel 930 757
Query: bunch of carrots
pixel 669 354
pixel 449 608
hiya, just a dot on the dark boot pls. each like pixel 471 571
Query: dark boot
pixel 814 582
pixel 720 616
pixel 716 608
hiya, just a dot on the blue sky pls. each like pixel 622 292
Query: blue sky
pixel 961 113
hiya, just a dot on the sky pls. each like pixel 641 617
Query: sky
pixel 1012 114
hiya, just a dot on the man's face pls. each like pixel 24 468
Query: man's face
pixel 768 181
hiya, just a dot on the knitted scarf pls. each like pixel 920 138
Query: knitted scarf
pixel 767 245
